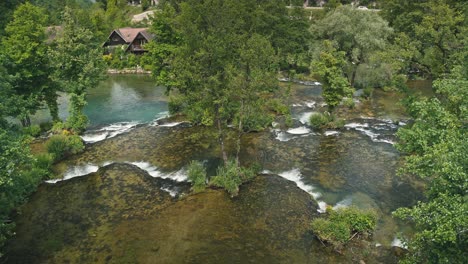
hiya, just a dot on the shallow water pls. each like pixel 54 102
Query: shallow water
pixel 119 98
pixel 137 207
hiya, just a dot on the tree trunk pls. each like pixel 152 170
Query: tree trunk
pixel 221 137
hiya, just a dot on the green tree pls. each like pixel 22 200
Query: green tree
pixel 438 29
pixel 78 67
pixel 358 33
pixel 7 8
pixel 25 52
pixel 212 54
pixel 20 173
pixel 436 149
pixel 329 68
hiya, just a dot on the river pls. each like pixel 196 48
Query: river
pixel 126 199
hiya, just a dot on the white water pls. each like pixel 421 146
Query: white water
pixel 398 243
pixel 110 131
pixel 365 128
pixel 331 133
pixel 77 171
pixel 305 117
pixel 179 176
pixel 343 203
pixel 295 176
pixel 83 170
pixel 299 130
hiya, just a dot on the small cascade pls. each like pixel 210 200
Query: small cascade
pixel 295 176
pixel 110 131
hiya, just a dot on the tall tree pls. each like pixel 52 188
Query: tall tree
pixel 358 33
pixel 329 68
pixel 220 59
pixel 78 67
pixel 437 28
pixel 25 51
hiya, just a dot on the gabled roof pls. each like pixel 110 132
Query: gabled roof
pixel 129 34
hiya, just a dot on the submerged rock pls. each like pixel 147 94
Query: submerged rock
pixel 121 214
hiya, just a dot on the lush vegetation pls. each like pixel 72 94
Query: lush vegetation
pixel 220 61
pixel 436 149
pixel 340 226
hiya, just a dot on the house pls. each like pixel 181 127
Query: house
pixel 132 39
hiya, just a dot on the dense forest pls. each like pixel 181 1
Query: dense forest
pixel 220 62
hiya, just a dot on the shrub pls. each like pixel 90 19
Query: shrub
pixel 367 92
pixel 197 175
pixel 336 123
pixel 44 161
pixel 349 102
pixel 318 120
pixel 61 146
pixel 342 225
pixel 230 176
pixel 34 130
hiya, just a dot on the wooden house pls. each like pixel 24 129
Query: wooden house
pixel 132 39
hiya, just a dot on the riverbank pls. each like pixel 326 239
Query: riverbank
pixel 137 70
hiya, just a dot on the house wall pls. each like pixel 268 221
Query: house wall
pixel 115 40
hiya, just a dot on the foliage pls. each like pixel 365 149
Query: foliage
pixel 231 175
pixel 318 120
pixel 78 67
pixel 220 59
pixel 61 146
pixel 26 61
pixel 356 33
pixel 20 173
pixel 329 68
pixel 437 28
pixel 341 225
pixel 34 130
pixel 436 148
pixel 197 175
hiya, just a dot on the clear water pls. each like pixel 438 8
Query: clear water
pixel 119 98
pixel 143 213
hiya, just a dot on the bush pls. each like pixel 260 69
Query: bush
pixel 318 120
pixel 197 175
pixel 368 92
pixel 61 146
pixel 342 225
pixel 34 130
pixel 349 102
pixel 231 176
pixel 44 161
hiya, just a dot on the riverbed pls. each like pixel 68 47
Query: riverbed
pixel 127 199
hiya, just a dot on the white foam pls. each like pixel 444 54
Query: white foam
pixel 172 124
pixel 343 203
pixel 299 130
pixel 93 138
pixel 274 124
pixel 295 176
pixel 331 133
pixel 146 166
pixel 305 117
pixel 109 131
pixel 281 135
pixel 179 176
pixel 172 193
pixel 76 171
pixel 398 243
pixel 355 125
pixel 322 207
pixel 310 104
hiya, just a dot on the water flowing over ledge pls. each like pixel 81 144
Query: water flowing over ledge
pixel 86 169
